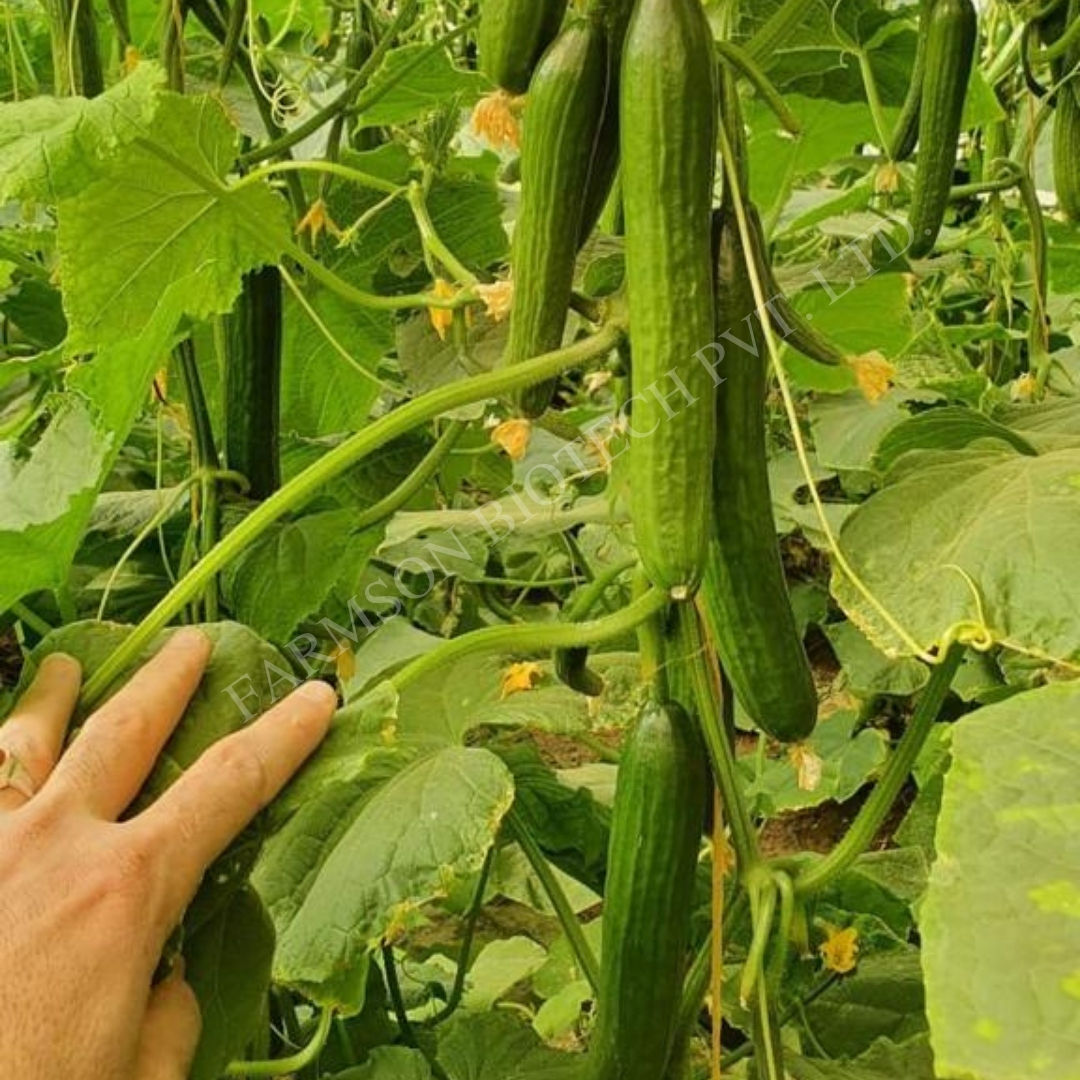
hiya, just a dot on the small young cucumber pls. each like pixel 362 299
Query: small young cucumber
pixel 660 803
pixel 512 36
pixel 559 154
pixel 950 50
pixel 744 599
pixel 668 150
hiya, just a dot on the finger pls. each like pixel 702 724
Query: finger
pixel 212 802
pixel 107 763
pixel 32 736
pixel 170 1032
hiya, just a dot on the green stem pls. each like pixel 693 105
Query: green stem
pixel 873 99
pixel 393 985
pixel 1059 47
pixel 532 638
pixel 233 33
pixel 762 47
pixel 313 480
pixel 567 917
pixel 287 1065
pixel 693 665
pixel 432 241
pixel 744 63
pixel 876 808
pixel 30 618
pixel 762 909
pixel 356 176
pixel 458 989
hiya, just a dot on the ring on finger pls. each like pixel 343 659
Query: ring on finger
pixel 15 775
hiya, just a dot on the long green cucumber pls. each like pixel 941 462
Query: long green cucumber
pixel 906 131
pixel 253 381
pixel 1067 154
pixel 668 141
pixel 562 122
pixel 660 800
pixel 513 35
pixel 744 599
pixel 950 51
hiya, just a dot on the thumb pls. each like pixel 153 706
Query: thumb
pixel 170 1031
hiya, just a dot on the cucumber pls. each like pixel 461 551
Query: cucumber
pixel 253 381
pixel 950 51
pixel 744 599
pixel 1067 154
pixel 668 150
pixel 562 123
pixel 906 130
pixel 513 35
pixel 660 803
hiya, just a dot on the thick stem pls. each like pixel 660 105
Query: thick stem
pixel 876 808
pixel 776 30
pixel 288 1065
pixel 313 480
pixel 567 917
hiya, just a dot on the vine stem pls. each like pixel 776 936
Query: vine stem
pixel 874 811
pixel 356 176
pixel 566 915
pixel 312 481
pixel 532 638
pixel 287 1065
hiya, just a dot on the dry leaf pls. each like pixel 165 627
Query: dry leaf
pixel 316 220
pixel 519 677
pixel 498 299
pixel 513 437
pixel 840 949
pixel 495 120
pixel 442 318
pixel 808 766
pixel 873 373
pixel 597 380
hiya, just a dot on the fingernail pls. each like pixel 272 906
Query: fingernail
pixel 318 691
pixel 60 659
pixel 189 640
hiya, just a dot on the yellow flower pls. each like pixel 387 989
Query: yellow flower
pixel 887 179
pixel 316 220
pixel 873 373
pixel 494 119
pixel 442 318
pixel 513 437
pixel 498 299
pixel 131 59
pixel 519 677
pixel 1024 388
pixel 840 949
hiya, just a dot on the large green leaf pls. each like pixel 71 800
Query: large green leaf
pixel 158 212
pixel 884 1060
pixel 227 963
pixel 966 532
pixel 389 1063
pixel 51 146
pixel 1001 921
pixel 497 1046
pixel 46 496
pixel 352 871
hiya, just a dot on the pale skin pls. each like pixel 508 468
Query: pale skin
pixel 88 901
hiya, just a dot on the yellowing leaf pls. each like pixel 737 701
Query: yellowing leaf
pixel 873 373
pixel 498 299
pixel 442 318
pixel 808 766
pixel 513 437
pixel 519 677
pixel 344 662
pixel 840 949
pixel 495 120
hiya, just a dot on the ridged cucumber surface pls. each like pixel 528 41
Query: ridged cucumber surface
pixel 1067 154
pixel 562 127
pixel 950 50
pixel 906 131
pixel 668 143
pixel 660 799
pixel 512 36
pixel 744 598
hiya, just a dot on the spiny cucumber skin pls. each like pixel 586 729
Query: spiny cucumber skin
pixel 906 131
pixel 744 597
pixel 668 154
pixel 1067 155
pixel 558 154
pixel 950 51
pixel 512 36
pixel 655 836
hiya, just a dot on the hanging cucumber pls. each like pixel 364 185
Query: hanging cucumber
pixel 513 35
pixel 950 50
pixel 558 155
pixel 1067 154
pixel 660 799
pixel 744 599
pixel 253 381
pixel 906 131
pixel 668 145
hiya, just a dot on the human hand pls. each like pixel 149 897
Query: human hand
pixel 87 902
